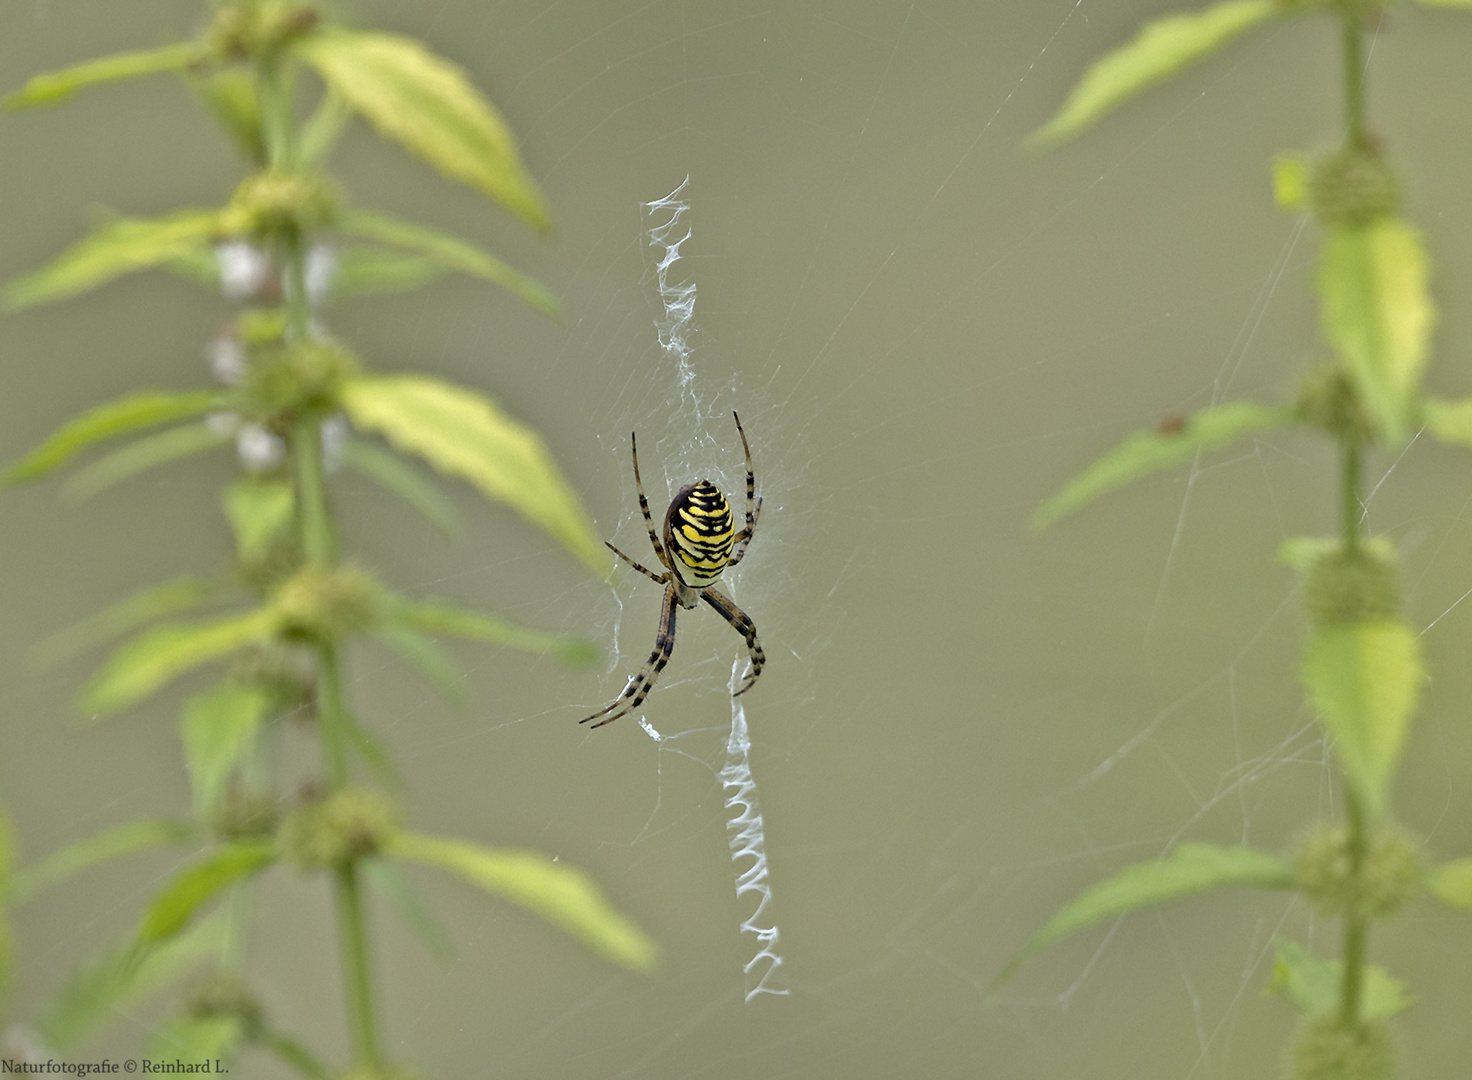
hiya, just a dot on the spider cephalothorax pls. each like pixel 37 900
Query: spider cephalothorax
pixel 700 543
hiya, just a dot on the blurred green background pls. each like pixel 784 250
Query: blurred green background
pixel 927 331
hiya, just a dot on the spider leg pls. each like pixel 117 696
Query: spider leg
pixel 743 626
pixel 753 508
pixel 644 507
pixel 640 685
pixel 650 574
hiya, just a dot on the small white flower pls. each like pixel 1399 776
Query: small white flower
pixel 321 267
pixel 259 450
pixel 245 270
pixel 227 359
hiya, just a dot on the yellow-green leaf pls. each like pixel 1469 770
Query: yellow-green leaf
pixel 118 982
pixel 1377 312
pixel 443 620
pixel 464 434
pixel 1312 984
pixel 155 657
pixel 429 105
pixel 119 247
pixel 451 252
pixel 1170 444
pixel 56 86
pixel 563 895
pixel 1365 679
pixel 260 509
pixel 219 729
pixel 1451 883
pixel 172 597
pixel 1449 421
pixel 1189 869
pixel 108 844
pixel 146 453
pixel 144 409
pixel 192 888
pixel 1162 48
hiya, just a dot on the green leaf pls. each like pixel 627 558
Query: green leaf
pixel 433 663
pixel 320 133
pixel 427 104
pixel 260 510
pixel 563 895
pixel 1312 984
pixel 145 409
pixel 108 844
pixel 362 271
pixel 1161 49
pixel 451 252
pixel 389 880
pixel 1451 883
pixel 152 659
pixel 193 1039
pixel 1189 869
pixel 1146 451
pixel 146 453
pixel 123 978
pixel 170 598
pixel 1449 422
pixel 1378 313
pixel 117 248
pixel 232 97
pixel 443 620
pixel 56 86
pixel 393 474
pixel 464 434
pixel 192 888
pixel 1291 176
pixel 1365 678
pixel 219 729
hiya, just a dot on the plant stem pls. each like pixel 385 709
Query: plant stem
pixel 1356 926
pixel 1354 74
pixel 357 981
pixel 1351 508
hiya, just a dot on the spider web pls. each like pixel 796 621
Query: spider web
pixel 925 332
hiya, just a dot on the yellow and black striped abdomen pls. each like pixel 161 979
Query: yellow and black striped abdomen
pixel 698 533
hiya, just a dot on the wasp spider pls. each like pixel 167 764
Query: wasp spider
pixel 700 542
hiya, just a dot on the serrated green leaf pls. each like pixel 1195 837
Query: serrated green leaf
pixel 219 729
pixel 451 251
pixel 389 880
pixel 1146 451
pixel 1365 679
pixel 1312 984
pixel 144 409
pixel 424 654
pixel 563 895
pixel 192 888
pixel 1449 422
pixel 193 1039
pixel 1377 312
pixel 461 433
pixel 119 247
pixel 393 474
pixel 155 657
pixel 260 511
pixel 428 105
pixel 1162 48
pixel 170 598
pixel 1291 176
pixel 143 454
pixel 1190 869
pixel 108 844
pixel 443 620
pixel 1451 883
pixel 56 86
pixel 124 977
